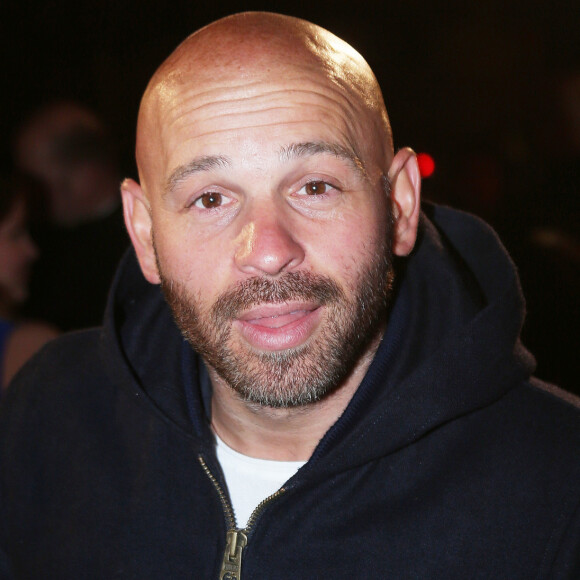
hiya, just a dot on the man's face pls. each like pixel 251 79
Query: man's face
pixel 271 228
pixel 258 335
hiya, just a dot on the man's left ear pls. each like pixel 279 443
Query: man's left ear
pixel 405 181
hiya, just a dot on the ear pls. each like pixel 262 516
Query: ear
pixel 138 221
pixel 405 181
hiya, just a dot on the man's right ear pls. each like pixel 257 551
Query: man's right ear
pixel 139 225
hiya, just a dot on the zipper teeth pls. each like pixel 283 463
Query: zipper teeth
pixel 229 512
pixel 260 508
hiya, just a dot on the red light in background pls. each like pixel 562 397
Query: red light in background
pixel 426 164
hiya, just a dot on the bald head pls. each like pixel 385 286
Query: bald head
pixel 259 56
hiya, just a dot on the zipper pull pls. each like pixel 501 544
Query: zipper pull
pixel 236 541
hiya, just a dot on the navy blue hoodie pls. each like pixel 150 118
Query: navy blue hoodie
pixel 449 462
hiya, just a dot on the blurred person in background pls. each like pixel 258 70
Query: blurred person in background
pixel 19 340
pixel 548 255
pixel 524 182
pixel 67 148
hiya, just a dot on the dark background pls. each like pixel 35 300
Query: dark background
pixel 490 89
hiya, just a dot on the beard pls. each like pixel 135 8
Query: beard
pixel 296 376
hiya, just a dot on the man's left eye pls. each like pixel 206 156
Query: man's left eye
pixel 210 200
pixel 315 188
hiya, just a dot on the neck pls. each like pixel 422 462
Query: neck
pixel 289 434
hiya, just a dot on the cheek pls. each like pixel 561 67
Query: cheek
pixel 344 247
pixel 198 266
pixel 176 249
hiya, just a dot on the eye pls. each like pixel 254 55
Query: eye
pixel 316 187
pixel 210 200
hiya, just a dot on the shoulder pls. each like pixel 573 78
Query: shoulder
pixel 553 429
pixel 64 380
pixel 55 362
pixel 540 430
pixel 546 410
pixel 24 341
pixel 62 356
pixel 558 395
pixel 528 440
pixel 555 404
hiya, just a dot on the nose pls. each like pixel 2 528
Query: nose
pixel 266 244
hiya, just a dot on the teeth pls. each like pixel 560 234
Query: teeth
pixel 287 314
pixel 284 318
pixel 282 314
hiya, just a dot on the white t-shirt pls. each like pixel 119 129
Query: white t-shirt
pixel 252 480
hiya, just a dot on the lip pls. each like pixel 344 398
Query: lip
pixel 275 327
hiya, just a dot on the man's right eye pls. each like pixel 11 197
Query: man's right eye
pixel 209 200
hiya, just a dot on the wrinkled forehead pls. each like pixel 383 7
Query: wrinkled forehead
pixel 246 68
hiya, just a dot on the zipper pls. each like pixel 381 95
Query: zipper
pixel 236 538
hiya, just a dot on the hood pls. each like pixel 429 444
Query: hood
pixel 451 345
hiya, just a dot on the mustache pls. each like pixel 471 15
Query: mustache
pixel 290 286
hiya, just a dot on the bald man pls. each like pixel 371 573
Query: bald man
pixel 301 374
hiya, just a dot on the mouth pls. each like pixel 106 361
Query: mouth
pixel 274 327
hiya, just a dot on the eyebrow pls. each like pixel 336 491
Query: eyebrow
pixel 197 165
pixel 293 151
pixel 310 148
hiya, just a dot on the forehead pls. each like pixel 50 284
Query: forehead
pixel 252 105
pixel 258 100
